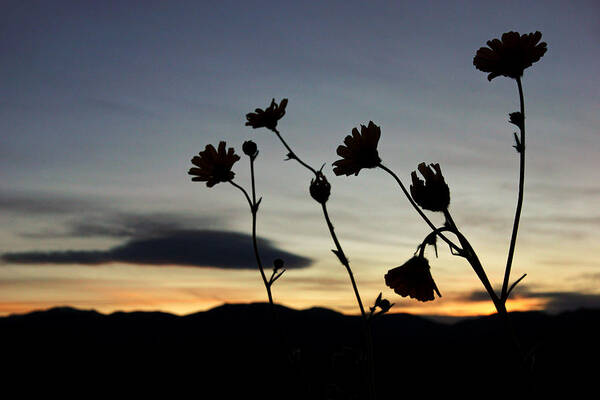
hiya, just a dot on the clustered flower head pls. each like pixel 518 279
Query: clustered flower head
pixel 432 194
pixel 214 166
pixel 511 55
pixel 359 151
pixel 320 189
pixel 413 279
pixel 268 117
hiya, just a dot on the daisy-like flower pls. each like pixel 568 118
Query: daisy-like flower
pixel 433 194
pixel 413 279
pixel 359 151
pixel 214 166
pixel 268 117
pixel 510 55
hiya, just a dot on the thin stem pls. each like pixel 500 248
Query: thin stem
pixel 293 155
pixel 478 268
pixel 253 210
pixel 513 238
pixel 343 258
pixel 416 207
pixel 365 318
pixel 472 258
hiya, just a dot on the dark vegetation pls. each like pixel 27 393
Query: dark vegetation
pixel 229 352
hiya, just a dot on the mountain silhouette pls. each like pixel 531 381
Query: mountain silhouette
pixel 235 351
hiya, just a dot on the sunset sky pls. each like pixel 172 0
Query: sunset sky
pixel 104 104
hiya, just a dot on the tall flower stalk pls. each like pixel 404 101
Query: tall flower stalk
pixel 320 190
pixel 214 166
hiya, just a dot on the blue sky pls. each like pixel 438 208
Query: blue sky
pixel 105 103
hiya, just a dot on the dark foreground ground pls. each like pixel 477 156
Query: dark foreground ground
pixel 231 352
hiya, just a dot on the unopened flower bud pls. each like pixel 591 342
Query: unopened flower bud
pixel 516 118
pixel 320 189
pixel 277 264
pixel 249 148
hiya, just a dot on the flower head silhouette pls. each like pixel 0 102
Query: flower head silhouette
pixel 268 117
pixel 413 279
pixel 359 150
pixel 214 166
pixel 510 55
pixel 433 194
pixel 320 189
pixel 250 149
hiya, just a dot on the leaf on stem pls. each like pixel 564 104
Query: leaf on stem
pixel 340 256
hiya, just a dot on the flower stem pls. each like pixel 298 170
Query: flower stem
pixel 293 155
pixel 416 207
pixel 254 210
pixel 513 238
pixel 472 258
pixel 343 259
pixel 339 252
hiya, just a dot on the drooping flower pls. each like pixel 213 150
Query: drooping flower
pixel 214 166
pixel 320 189
pixel 510 55
pixel 433 194
pixel 268 117
pixel 413 279
pixel 359 150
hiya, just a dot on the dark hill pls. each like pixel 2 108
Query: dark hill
pixel 235 351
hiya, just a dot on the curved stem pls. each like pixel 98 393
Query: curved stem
pixel 513 238
pixel 472 258
pixel 343 259
pixel 416 207
pixel 254 210
pixel 293 155
pixel 499 303
pixel 339 252
pixel 366 323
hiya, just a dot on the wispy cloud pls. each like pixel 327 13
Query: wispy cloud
pixel 37 203
pixel 195 248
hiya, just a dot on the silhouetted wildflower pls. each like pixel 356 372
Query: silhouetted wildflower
pixel 384 305
pixel 320 189
pixel 278 264
pixel 516 118
pixel 360 151
pixel 511 55
pixel 250 149
pixel 413 279
pixel 214 166
pixel 268 117
pixel 433 194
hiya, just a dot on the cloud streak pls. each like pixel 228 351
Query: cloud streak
pixel 193 248
pixel 556 301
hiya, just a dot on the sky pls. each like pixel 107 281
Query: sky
pixel 105 103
